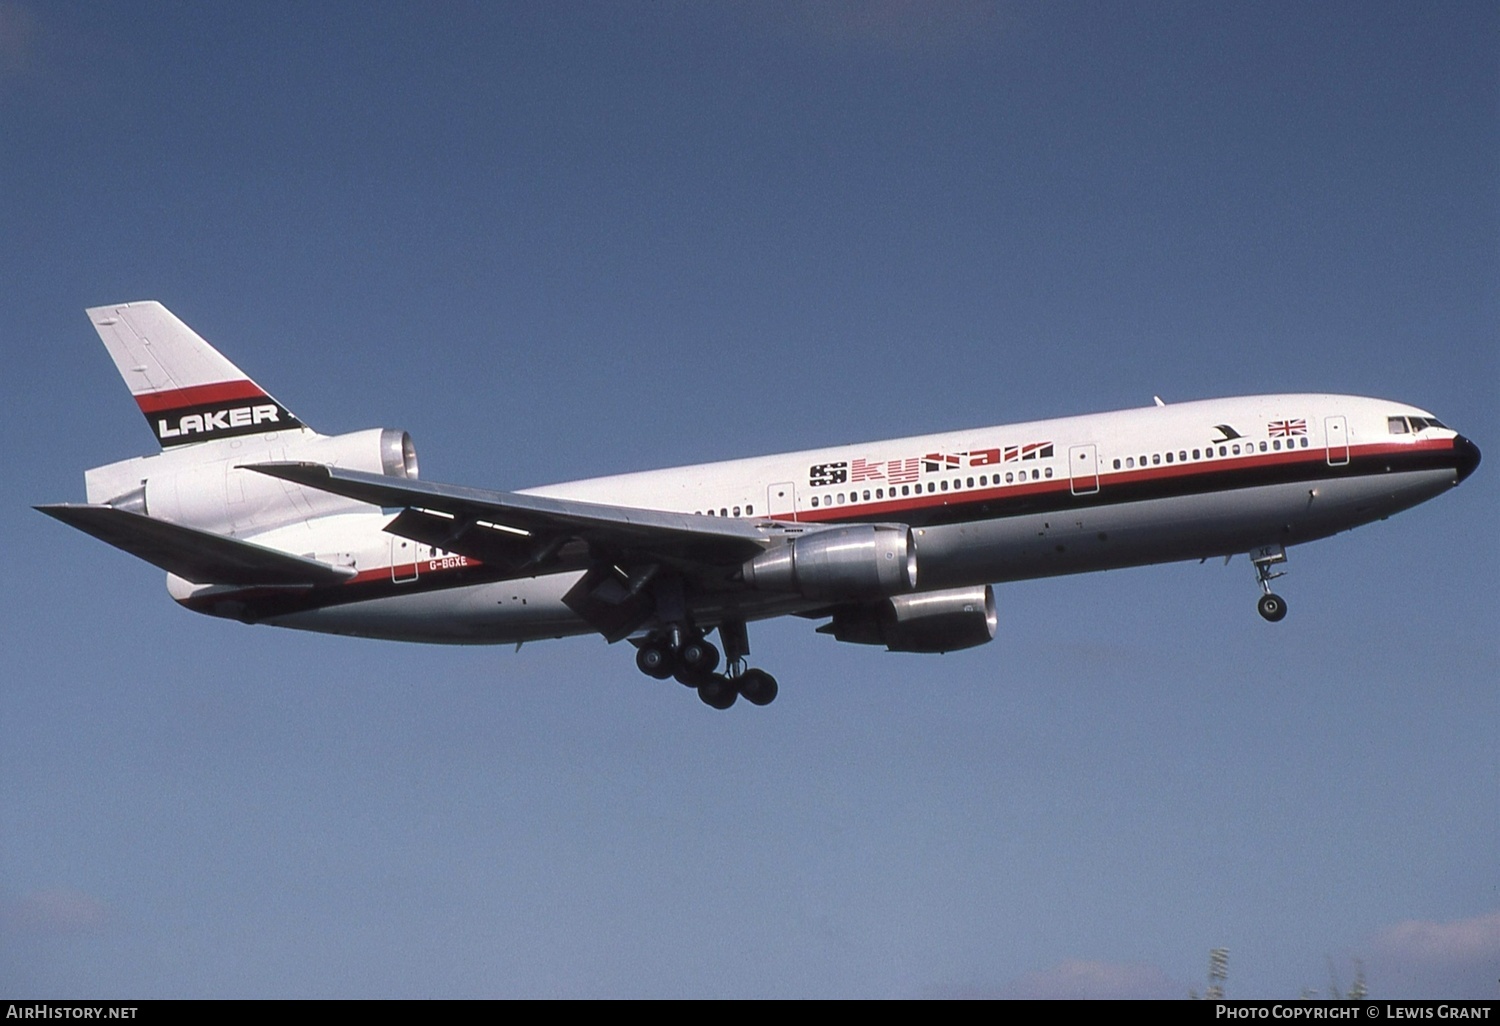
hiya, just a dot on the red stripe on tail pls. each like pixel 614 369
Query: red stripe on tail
pixel 198 395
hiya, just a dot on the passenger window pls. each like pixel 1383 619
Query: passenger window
pixel 815 502
pixel 1049 472
pixel 970 483
pixel 1222 452
pixel 749 511
pixel 867 495
pixel 1129 461
pixel 1304 443
pixel 1195 454
pixel 1276 444
pixel 1262 446
pixel 1117 464
pixel 1035 474
pixel 724 512
pixel 736 511
pixel 1010 477
pixel 1182 456
pixel 1169 457
pixel 944 486
pixel 931 487
pixel 1155 458
pixel 1236 450
pixel 906 489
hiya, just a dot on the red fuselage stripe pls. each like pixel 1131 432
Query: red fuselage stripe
pixel 1107 478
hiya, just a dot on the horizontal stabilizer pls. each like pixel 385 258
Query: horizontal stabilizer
pixel 201 557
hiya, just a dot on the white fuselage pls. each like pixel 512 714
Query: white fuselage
pixel 987 505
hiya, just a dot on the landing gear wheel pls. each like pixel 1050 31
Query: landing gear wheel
pixel 696 661
pixel 1272 607
pixel 699 657
pixel 655 661
pixel 1269 605
pixel 718 691
pixel 758 687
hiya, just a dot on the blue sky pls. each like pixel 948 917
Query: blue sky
pixel 554 241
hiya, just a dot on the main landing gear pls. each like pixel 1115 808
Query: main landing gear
pixel 1270 605
pixel 692 659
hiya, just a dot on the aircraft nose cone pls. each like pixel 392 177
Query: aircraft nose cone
pixel 1467 454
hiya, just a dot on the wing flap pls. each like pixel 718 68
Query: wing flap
pixel 198 556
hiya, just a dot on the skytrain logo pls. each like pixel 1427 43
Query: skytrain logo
pixel 909 469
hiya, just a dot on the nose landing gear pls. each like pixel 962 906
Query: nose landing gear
pixel 1270 605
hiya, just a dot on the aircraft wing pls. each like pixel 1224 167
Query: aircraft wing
pixel 198 556
pixel 472 521
pixel 622 550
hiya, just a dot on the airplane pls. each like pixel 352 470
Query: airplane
pixel 257 517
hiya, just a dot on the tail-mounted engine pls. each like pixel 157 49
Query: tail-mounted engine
pixel 938 621
pixel 206 488
pixel 857 562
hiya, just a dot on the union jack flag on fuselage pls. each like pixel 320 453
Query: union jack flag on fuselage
pixel 1286 428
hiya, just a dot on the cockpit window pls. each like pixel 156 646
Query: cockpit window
pixel 1397 425
pixel 1417 423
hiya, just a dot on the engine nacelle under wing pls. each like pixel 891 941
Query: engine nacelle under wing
pixel 937 621
pixel 864 561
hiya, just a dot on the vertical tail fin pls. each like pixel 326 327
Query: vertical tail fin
pixel 185 387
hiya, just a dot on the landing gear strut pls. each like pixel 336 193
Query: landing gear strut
pixel 692 659
pixel 1270 605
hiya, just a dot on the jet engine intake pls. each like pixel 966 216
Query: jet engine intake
pixel 862 561
pixel 398 456
pixel 937 621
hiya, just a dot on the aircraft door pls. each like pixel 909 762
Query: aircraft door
pixel 1336 435
pixel 1083 468
pixel 403 560
pixel 781 501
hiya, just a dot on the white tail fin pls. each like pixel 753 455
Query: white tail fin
pixel 186 388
